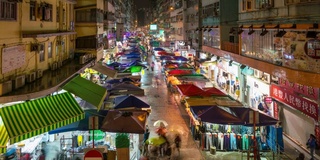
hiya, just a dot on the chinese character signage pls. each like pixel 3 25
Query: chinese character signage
pixel 307 91
pixel 304 105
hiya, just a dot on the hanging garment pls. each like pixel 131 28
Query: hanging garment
pixel 220 141
pixel 245 142
pixel 215 140
pixel 233 141
pixel 239 141
pixel 226 143
pixel 208 140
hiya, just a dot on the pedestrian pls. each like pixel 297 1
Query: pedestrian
pixel 177 142
pixel 300 157
pixel 42 156
pixel 312 144
pixel 152 66
pixel 146 134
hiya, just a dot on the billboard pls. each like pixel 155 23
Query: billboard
pixel 153 27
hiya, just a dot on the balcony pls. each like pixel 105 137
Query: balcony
pixel 230 47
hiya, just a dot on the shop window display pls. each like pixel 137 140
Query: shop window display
pixel 293 50
pixel 233 137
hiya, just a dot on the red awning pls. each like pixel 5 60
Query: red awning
pixel 189 89
pixel 180 72
pixel 212 92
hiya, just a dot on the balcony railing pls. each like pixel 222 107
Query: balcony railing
pixel 230 47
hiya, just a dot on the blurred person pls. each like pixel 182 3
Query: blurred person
pixel 312 144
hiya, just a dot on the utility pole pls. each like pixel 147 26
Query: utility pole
pixel 199 26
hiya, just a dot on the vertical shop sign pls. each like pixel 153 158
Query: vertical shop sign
pixel 119 31
pixel 276 110
pixel 304 105
pixel 308 91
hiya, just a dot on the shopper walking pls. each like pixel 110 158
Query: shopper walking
pixel 152 66
pixel 312 144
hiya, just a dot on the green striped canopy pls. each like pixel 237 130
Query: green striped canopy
pixel 87 90
pixel 32 118
pixel 4 138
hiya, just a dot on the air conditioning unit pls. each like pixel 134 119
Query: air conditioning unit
pixel 39 73
pixel 83 59
pixel 31 77
pixel 258 74
pixel 54 66
pixel 5 87
pixel 19 81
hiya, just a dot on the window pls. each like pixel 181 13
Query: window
pixel 45 11
pixel 8 10
pixel 33 10
pixel 41 52
pixel 49 50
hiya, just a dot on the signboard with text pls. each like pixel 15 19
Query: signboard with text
pixel 307 91
pixel 306 106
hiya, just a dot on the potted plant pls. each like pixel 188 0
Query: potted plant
pixel 122 145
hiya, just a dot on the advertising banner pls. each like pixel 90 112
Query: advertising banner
pixel 304 105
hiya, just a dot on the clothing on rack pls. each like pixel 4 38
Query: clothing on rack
pixel 233 141
pixel 220 140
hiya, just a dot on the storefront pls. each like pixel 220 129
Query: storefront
pixel 297 109
pixel 227 77
pixel 258 94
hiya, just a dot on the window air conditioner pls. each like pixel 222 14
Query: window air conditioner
pixel 258 74
pixel 83 59
pixel 31 77
pixel 5 87
pixel 39 73
pixel 19 81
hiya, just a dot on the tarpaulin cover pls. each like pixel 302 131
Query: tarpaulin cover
pixel 180 72
pixel 244 114
pixel 125 121
pixel 217 115
pixel 130 101
pixel 212 92
pixel 158 49
pixel 189 89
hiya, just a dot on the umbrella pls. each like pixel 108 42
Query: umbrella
pixel 176 129
pixel 156 141
pixel 125 121
pixel 160 123
pixel 158 49
pixel 180 58
pixel 129 102
pixel 167 58
pixel 126 79
pixel 113 81
pixel 163 53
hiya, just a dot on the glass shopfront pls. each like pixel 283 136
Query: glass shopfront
pixel 294 49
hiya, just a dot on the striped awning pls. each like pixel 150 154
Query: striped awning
pixel 4 139
pixel 87 90
pixel 32 118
